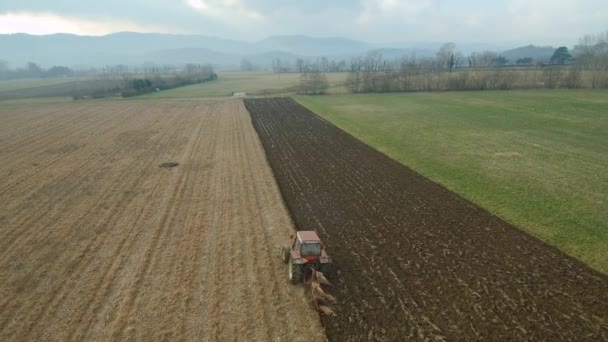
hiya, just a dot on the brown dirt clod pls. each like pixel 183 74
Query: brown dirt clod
pixel 169 164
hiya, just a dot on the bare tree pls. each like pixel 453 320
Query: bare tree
pixel 353 81
pixel 483 59
pixel 446 56
pixel 592 55
pixel 324 64
pixel 300 65
pixel 151 70
pixel 313 80
pixel 371 65
pixel 277 66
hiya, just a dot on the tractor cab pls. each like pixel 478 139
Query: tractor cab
pixel 308 244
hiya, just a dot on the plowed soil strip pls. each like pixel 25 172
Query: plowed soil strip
pixel 100 243
pixel 412 259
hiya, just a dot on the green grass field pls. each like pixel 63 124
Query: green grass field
pixel 254 83
pixel 538 159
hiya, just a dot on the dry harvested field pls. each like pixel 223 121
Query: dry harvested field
pixel 56 87
pixel 414 260
pixel 99 242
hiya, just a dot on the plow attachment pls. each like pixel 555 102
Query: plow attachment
pixel 320 298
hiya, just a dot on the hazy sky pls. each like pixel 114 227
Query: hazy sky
pixel 552 22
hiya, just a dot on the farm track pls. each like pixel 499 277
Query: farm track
pixel 99 243
pixel 414 260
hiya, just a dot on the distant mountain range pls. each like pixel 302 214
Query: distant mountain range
pixel 538 53
pixel 167 49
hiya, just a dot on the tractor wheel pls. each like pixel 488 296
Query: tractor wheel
pixel 285 254
pixel 307 273
pixel 295 272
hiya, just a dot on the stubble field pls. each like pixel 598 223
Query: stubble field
pixel 99 242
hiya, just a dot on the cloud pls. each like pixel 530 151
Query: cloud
pixel 227 9
pixel 381 21
pixel 540 22
pixel 49 23
pixel 565 19
pixel 374 10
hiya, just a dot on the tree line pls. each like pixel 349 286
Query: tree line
pixel 153 80
pixel 150 79
pixel 313 80
pixel 33 70
pixel 592 56
pixel 279 65
pixel 587 67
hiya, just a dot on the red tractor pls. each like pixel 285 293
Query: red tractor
pixel 305 256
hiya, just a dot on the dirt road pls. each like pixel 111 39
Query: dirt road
pixel 413 260
pixel 99 242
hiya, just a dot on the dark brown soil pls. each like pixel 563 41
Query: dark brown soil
pixel 413 260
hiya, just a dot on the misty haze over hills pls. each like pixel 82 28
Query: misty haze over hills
pixel 135 49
